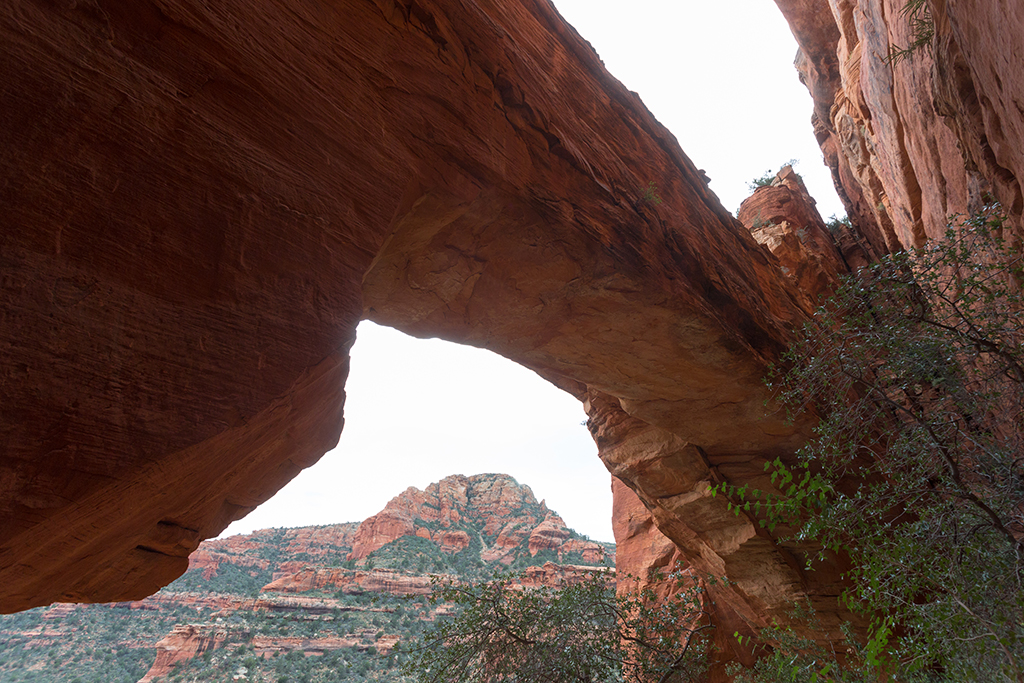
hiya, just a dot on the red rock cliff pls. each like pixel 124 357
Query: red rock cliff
pixel 783 218
pixel 180 645
pixel 350 581
pixel 204 200
pixel 327 544
pixel 912 141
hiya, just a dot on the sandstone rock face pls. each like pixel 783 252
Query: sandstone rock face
pixel 553 575
pixel 316 543
pixel 186 641
pixel 641 551
pixel 912 141
pixel 591 553
pixel 645 558
pixel 203 201
pixel 183 643
pixel 979 77
pixel 783 218
pixel 673 479
pixel 550 534
pixel 350 581
pixel 221 603
pixel 318 646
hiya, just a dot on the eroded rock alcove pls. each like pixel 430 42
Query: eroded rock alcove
pixel 201 202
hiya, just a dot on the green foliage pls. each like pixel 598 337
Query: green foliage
pixel 769 177
pixel 421 556
pixel 97 651
pixel 115 644
pixel 229 579
pixel 762 181
pixel 796 659
pixel 650 195
pixel 525 559
pixel 916 470
pixel 922 30
pixel 581 632
pixel 836 225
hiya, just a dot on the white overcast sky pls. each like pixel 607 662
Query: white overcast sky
pixel 720 76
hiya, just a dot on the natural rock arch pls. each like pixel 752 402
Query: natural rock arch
pixel 202 203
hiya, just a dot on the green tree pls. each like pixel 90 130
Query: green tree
pixel 798 659
pixel 579 632
pixel 916 469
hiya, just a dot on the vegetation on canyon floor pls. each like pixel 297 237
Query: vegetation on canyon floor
pixel 117 643
pixel 582 631
pixel 916 471
pixel 33 650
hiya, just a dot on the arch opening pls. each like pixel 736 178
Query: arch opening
pixel 418 410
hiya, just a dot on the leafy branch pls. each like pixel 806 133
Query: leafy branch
pixel 916 468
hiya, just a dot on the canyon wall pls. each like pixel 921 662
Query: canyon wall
pixel 912 141
pixel 663 517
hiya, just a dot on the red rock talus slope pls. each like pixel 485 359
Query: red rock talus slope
pixel 911 142
pixel 201 200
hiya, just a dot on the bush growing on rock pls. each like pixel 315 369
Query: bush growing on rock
pixel 916 470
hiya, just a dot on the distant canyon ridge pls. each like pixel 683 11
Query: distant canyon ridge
pixel 202 201
pixel 309 603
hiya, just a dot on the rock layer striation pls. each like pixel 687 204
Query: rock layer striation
pixel 490 511
pixel 912 141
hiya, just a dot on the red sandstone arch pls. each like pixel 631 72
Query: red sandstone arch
pixel 201 202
